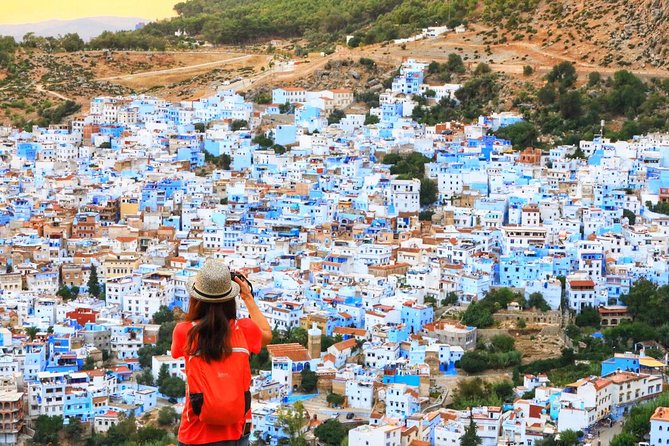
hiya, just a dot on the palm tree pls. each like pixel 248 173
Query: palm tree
pixel 31 332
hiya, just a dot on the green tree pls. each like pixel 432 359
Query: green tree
pixel 238 124
pixel 145 378
pixel 451 299
pixel 93 282
pixel 521 324
pixel 149 435
pixel 89 363
pixel 528 70
pixel 631 216
pixel 371 119
pixel 64 292
pixel 167 415
pixel 425 215
pixel 331 433
pixel 536 300
pixel 47 429
pixel 163 374
pixel 482 68
pixel 428 191
pixel 477 315
pixel 564 74
pixel 292 419
pixel 31 332
pixel 75 292
pixel 173 387
pixel 502 343
pixel 336 116
pixel 594 78
pixel 163 315
pixel 124 431
pixel 588 317
pixel 263 141
pixel 570 104
pixel 72 42
pixel 300 336
pixel 568 438
pixel 335 399
pixel 521 134
pixel 74 429
pixel 309 380
pixel 470 437
pixel 623 439
pixel 455 64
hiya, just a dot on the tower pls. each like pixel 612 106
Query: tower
pixel 314 341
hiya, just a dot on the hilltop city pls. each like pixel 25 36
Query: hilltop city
pixel 426 284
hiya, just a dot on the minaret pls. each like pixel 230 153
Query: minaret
pixel 314 341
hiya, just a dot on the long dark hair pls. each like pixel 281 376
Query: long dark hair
pixel 209 337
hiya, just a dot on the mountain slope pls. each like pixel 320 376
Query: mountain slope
pixel 87 28
pixel 630 33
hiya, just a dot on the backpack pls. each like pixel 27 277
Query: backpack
pixel 219 390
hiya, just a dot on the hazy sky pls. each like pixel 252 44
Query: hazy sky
pixel 29 11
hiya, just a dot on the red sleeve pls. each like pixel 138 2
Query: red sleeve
pixel 179 339
pixel 251 333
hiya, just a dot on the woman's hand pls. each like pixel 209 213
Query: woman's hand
pixel 245 290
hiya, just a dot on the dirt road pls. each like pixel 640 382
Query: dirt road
pixel 40 88
pixel 154 73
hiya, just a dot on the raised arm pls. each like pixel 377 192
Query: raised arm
pixel 254 312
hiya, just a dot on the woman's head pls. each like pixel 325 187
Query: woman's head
pixel 212 307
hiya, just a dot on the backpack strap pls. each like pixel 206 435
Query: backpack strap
pixel 239 340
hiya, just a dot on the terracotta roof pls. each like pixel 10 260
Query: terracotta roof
pixel 343 345
pixel 350 331
pixel 661 414
pixel 623 377
pixel 535 411
pixel 582 283
pixel 293 351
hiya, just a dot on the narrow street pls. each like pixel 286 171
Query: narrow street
pixel 606 434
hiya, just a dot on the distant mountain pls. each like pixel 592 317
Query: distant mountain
pixel 87 27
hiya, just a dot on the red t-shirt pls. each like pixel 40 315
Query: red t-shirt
pixel 191 430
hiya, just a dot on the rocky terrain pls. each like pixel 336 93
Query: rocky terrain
pixel 622 33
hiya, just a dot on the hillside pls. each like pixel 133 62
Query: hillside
pixel 616 33
pixel 623 33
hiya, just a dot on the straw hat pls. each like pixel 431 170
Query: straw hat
pixel 212 283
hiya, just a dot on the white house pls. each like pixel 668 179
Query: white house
pixel 359 394
pixel 659 427
pixel 102 423
pixel 175 367
pixel 368 435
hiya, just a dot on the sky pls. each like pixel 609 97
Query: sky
pixel 18 11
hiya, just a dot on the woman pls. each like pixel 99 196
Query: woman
pixel 212 315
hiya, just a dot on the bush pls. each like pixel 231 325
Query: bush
pixel 588 317
pixel 166 416
pixel 428 191
pixel 528 70
pixel 367 62
pixel 335 399
pixel 425 215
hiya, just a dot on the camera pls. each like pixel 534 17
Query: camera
pixel 235 274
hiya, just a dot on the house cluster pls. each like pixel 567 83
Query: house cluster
pixel 333 242
pixel 538 410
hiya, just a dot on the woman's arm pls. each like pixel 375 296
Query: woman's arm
pixel 254 312
pixel 178 341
